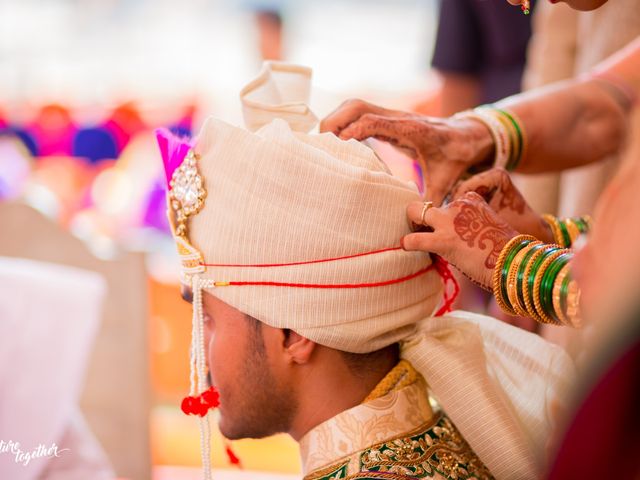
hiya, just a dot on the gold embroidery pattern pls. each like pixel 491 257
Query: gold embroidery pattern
pixel 439 449
pixel 435 448
pixel 190 258
pixel 333 472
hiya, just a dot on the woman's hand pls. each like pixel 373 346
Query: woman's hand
pixel 444 147
pixel 497 189
pixel 467 233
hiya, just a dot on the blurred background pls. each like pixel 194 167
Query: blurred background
pixel 83 85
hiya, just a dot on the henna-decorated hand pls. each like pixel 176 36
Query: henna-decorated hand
pixel 444 147
pixel 467 233
pixel 497 189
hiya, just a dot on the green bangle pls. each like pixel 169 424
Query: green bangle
pixel 565 233
pixel 554 269
pixel 583 226
pixel 514 151
pixel 521 268
pixel 546 287
pixel 505 269
pixel 518 156
pixel 564 291
pixel 535 267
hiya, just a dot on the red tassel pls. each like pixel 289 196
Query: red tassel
pixel 200 405
pixel 233 458
pixel 201 408
pixel 442 267
pixel 188 404
pixel 211 397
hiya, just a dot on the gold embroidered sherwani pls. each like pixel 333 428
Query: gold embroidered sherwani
pixel 393 434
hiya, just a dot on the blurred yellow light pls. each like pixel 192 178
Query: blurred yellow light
pixel 112 192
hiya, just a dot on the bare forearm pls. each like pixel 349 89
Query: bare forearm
pixel 567 125
pixel 580 121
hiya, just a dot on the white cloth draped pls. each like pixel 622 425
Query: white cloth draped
pixel 49 315
pixel 503 387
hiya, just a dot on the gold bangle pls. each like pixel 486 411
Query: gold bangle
pixel 524 144
pixel 555 228
pixel 497 271
pixel 514 144
pixel 572 228
pixel 557 286
pixel 531 311
pixel 512 279
pixel 541 314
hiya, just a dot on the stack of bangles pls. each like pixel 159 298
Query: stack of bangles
pixel 532 279
pixel 507 133
pixel 566 232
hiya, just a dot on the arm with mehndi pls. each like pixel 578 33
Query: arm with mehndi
pixel 564 125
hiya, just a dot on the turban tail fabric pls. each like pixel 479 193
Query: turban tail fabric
pixel 302 231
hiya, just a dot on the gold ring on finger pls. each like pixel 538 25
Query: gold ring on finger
pixel 425 206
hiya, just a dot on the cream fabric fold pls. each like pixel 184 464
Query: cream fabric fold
pixel 279 196
pixel 503 387
pixel 280 90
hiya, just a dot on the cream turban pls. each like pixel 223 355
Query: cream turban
pixel 301 231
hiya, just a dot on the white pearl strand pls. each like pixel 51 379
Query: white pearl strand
pixel 198 344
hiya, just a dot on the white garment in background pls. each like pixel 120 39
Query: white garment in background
pixel 49 316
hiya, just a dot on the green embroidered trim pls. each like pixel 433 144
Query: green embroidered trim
pixel 435 448
pixel 438 449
